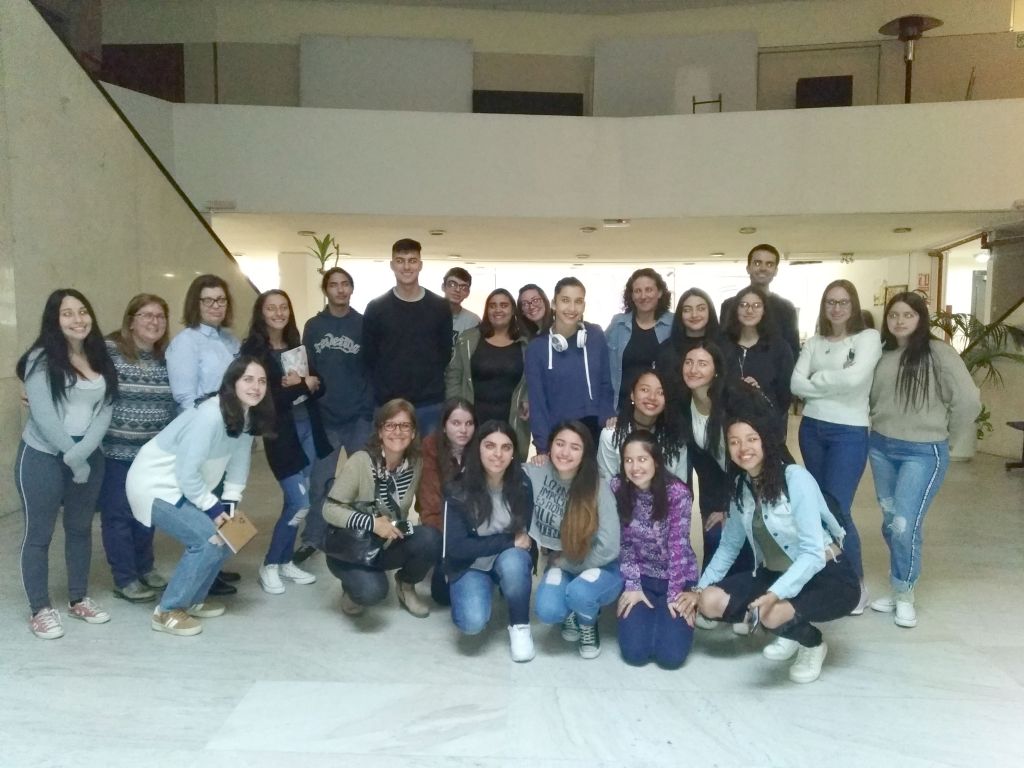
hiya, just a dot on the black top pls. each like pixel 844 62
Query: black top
pixel 770 363
pixel 496 372
pixel 641 353
pixel 783 315
pixel 407 346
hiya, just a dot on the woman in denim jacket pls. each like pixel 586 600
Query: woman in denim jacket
pixel 801 574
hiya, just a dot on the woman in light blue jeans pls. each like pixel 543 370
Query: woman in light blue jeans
pixel 922 396
pixel 576 523
pixel 487 514
pixel 171 485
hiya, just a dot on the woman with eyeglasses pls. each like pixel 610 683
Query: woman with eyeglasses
pixel 144 406
pixel 488 368
pixel 299 437
pixel 371 497
pixel 198 357
pixel 922 396
pixel 71 385
pixel 755 352
pixel 833 376
pixel 534 311
pixel 635 335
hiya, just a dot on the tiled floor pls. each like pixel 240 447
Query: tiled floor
pixel 290 681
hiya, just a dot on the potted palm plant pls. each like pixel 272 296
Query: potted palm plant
pixel 323 249
pixel 982 346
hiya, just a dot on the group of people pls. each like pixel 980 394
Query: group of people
pixel 418 405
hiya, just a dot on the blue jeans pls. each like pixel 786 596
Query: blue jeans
pixel 653 634
pixel 471 593
pixel 201 560
pixel 352 437
pixel 835 455
pixel 127 542
pixel 412 557
pixel 560 593
pixel 296 501
pixel 907 477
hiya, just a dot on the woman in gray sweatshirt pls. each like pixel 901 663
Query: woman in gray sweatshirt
pixel 921 396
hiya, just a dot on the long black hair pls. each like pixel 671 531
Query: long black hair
pixel 748 406
pixel 261 416
pixel 666 428
pixel 765 329
pixel 471 486
pixel 626 493
pixel 259 334
pixel 680 340
pixel 913 377
pixel 448 467
pixel 717 393
pixel 55 354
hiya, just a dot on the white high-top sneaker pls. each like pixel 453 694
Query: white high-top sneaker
pixel 807 667
pixel 270 579
pixel 520 641
pixel 906 615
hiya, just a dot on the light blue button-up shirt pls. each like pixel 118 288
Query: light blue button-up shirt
pixel 196 361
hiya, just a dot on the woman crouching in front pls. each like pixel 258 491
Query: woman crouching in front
pixel 368 507
pixel 801 574
pixel 487 515
pixel 171 485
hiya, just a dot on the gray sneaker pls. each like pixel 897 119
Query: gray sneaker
pixel 590 641
pixel 153 580
pixel 135 592
pixel 570 628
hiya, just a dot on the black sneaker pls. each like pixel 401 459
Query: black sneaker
pixel 570 628
pixel 303 553
pixel 229 576
pixel 590 641
pixel 221 587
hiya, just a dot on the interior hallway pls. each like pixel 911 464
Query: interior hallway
pixel 290 681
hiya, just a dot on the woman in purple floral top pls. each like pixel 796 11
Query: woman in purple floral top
pixel 656 559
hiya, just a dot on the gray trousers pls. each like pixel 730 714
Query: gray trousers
pixel 44 484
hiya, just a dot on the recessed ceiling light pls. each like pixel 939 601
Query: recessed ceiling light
pixel 748 230
pixel 582 255
pixel 454 256
pixel 716 255
pixel 306 233
pixel 168 274
pixel 588 230
pixel 615 223
pixel 437 232
pixel 901 230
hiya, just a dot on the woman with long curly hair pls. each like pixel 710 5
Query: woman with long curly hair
pixel 636 334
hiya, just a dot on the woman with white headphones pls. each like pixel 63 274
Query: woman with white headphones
pixel 567 371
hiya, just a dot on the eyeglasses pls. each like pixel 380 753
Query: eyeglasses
pixel 837 303
pixel 455 285
pixel 208 302
pixel 755 305
pixel 531 303
pixel 402 427
pixel 151 317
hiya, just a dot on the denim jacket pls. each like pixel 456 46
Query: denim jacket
pixel 618 333
pixel 802 525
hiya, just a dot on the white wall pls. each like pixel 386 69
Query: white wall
pixel 151 118
pixel 386 73
pixel 920 157
pixel 662 75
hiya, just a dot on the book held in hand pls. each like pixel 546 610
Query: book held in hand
pixel 236 531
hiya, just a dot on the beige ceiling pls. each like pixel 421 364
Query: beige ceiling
pixel 595 7
pixel 646 240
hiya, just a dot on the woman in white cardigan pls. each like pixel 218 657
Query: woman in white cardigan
pixel 833 376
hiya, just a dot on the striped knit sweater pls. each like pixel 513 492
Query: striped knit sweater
pixel 143 407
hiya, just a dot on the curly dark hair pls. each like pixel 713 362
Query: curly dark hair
pixel 766 328
pixel 664 302
pixel 667 430
pixel 748 406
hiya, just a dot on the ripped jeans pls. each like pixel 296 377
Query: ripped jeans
pixel 907 477
pixel 296 501
pixel 584 594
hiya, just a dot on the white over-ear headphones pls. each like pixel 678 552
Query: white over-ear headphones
pixel 560 343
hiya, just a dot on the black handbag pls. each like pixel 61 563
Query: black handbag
pixel 354 545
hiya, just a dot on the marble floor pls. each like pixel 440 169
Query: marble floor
pixel 290 681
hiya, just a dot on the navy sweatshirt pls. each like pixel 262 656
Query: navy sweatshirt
pixel 334 347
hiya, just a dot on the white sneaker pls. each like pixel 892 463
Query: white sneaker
pixel 862 603
pixel 703 622
pixel 781 650
pixel 807 667
pixel 885 604
pixel 292 572
pixel 520 642
pixel 741 628
pixel 906 615
pixel 270 579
